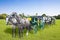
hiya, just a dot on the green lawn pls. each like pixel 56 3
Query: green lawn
pixel 50 32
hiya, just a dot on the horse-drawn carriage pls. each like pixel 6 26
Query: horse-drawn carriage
pixel 33 22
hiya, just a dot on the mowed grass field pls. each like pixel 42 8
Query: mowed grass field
pixel 50 32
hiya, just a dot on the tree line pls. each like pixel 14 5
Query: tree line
pixel 57 17
pixel 3 16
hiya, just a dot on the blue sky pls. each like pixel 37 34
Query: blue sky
pixel 30 7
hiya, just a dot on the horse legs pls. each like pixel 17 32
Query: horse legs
pixel 13 31
pixel 27 28
pixel 20 30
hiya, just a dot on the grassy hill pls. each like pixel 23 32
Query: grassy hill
pixel 50 32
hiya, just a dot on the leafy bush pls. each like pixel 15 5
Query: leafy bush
pixel 3 16
pixel 57 17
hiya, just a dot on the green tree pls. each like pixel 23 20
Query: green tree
pixel 43 14
pixel 3 16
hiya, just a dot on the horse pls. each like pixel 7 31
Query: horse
pixel 22 23
pixel 26 24
pixel 53 20
pixel 15 22
pixel 50 20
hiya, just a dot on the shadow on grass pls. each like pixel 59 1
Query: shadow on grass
pixel 9 31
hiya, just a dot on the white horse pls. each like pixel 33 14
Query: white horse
pixel 50 20
pixel 19 22
pixel 26 24
pixel 53 20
